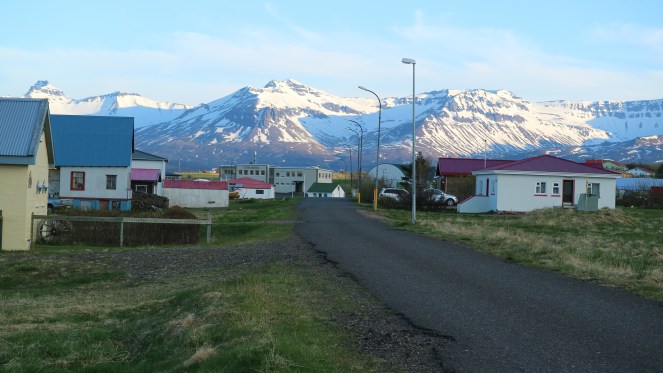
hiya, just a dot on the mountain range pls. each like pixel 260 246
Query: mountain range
pixel 289 123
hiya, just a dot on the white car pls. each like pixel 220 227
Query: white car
pixel 394 193
pixel 437 195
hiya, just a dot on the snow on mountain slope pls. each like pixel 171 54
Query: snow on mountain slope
pixel 144 110
pixel 624 120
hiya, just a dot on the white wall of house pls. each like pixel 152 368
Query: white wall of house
pixel 258 193
pixel 159 165
pixel 517 192
pixel 196 198
pixel 95 183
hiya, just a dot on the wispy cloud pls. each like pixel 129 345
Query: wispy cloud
pixel 630 34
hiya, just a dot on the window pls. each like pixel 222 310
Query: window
pixel 278 174
pixel 251 172
pixel 77 180
pixel 115 205
pixel 262 172
pixel 287 174
pixel 299 173
pixel 555 188
pixel 141 188
pixel 111 182
pixel 260 191
pixel 594 188
pixel 541 187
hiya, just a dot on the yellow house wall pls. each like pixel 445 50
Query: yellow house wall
pixel 18 202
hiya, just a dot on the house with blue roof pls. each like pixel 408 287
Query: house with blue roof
pixel 93 161
pixel 25 154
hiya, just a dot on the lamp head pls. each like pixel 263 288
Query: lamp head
pixel 409 61
pixel 364 88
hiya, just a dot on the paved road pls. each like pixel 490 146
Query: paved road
pixel 503 317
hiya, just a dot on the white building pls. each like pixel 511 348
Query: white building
pixel 536 183
pixel 196 194
pixel 325 190
pixel 640 172
pixel 392 174
pixel 284 179
pixel 251 189
pixel 93 160
pixel 150 179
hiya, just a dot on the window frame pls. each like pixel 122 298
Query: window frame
pixel 73 178
pixel 540 189
pixel 109 178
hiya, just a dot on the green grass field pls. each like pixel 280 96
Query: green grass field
pixel 622 247
pixel 60 313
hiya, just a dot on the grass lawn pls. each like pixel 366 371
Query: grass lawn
pixel 622 247
pixel 63 313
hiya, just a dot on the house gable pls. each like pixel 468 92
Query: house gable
pixel 22 122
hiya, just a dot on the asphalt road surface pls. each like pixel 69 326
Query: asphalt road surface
pixel 500 316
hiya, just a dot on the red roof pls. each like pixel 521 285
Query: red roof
pixel 192 184
pixel 548 163
pixel 145 174
pixel 248 183
pixel 465 166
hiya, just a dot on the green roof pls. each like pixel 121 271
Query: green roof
pixel 322 188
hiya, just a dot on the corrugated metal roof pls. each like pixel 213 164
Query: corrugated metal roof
pixel 249 183
pixel 145 174
pixel 192 184
pixel 465 166
pixel 140 155
pixel 92 141
pixel 21 124
pixel 548 163
pixel 322 188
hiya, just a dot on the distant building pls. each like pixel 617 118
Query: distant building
pixel 640 172
pixel 251 188
pixel 196 194
pixel 391 174
pixel 284 179
pixel 325 190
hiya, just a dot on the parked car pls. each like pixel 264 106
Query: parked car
pixel 59 203
pixel 437 195
pixel 394 193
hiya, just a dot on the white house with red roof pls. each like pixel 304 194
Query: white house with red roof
pixel 249 188
pixel 196 194
pixel 536 183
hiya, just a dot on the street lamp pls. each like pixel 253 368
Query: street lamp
pixel 377 161
pixel 412 62
pixel 349 147
pixel 360 149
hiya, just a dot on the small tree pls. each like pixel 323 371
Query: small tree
pixel 659 172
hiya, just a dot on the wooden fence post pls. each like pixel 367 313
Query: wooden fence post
pixel 121 232
pixel 209 227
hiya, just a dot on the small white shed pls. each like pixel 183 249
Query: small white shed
pixel 251 188
pixel 196 194
pixel 325 190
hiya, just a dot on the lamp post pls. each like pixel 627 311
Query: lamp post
pixel 360 149
pixel 412 62
pixel 359 177
pixel 377 157
pixel 350 148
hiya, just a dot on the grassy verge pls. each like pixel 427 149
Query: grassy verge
pixel 622 247
pixel 250 221
pixel 63 310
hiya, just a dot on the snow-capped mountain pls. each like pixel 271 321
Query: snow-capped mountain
pixel 287 122
pixel 144 110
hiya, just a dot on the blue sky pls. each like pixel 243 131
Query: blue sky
pixel 197 51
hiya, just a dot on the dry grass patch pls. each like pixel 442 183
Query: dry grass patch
pixel 622 247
